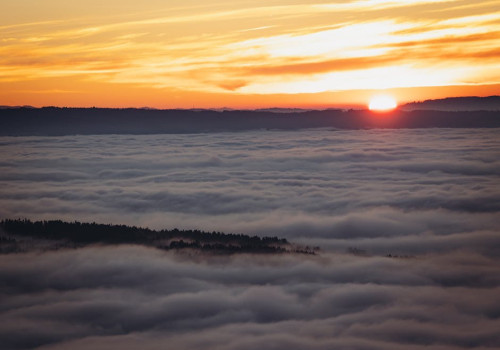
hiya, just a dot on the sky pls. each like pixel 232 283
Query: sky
pixel 245 54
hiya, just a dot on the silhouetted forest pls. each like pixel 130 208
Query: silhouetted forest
pixel 18 235
pixel 471 103
pixel 52 121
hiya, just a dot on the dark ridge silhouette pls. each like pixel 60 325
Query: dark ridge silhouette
pixel 77 234
pixel 471 103
pixel 52 121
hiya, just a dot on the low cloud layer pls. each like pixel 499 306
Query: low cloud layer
pixel 133 297
pixel 376 185
pixel 428 197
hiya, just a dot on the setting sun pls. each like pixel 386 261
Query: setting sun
pixel 240 54
pixel 382 103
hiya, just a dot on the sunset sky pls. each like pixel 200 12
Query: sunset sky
pixel 245 54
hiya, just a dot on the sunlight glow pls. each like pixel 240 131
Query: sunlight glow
pixel 382 103
pixel 222 53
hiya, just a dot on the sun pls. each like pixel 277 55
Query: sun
pixel 382 103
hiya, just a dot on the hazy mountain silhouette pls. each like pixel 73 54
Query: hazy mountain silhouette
pixel 472 103
pixel 54 121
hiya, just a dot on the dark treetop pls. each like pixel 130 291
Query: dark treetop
pixel 52 121
pixel 14 235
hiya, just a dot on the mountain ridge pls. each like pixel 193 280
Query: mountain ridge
pixel 53 121
pixel 467 103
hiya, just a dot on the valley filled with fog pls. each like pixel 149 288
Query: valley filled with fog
pixel 406 221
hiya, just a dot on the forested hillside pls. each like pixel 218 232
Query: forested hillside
pixel 22 234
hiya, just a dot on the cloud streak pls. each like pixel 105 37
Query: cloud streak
pixel 359 38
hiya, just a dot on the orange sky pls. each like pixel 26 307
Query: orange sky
pixel 245 54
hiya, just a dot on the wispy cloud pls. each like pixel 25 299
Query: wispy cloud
pixel 237 48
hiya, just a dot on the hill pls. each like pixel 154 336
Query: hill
pixel 22 235
pixel 52 121
pixel 490 103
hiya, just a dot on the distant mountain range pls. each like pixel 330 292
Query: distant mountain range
pixel 13 107
pixel 89 121
pixel 470 103
pixel 490 103
pixel 462 112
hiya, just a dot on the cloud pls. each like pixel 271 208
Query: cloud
pixel 107 297
pixel 213 49
pixel 321 184
pixel 306 68
pixel 429 198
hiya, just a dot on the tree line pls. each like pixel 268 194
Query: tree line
pixel 81 234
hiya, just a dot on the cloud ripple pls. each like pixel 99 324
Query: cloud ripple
pixel 428 197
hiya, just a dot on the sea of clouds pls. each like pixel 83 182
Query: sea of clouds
pixel 430 197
